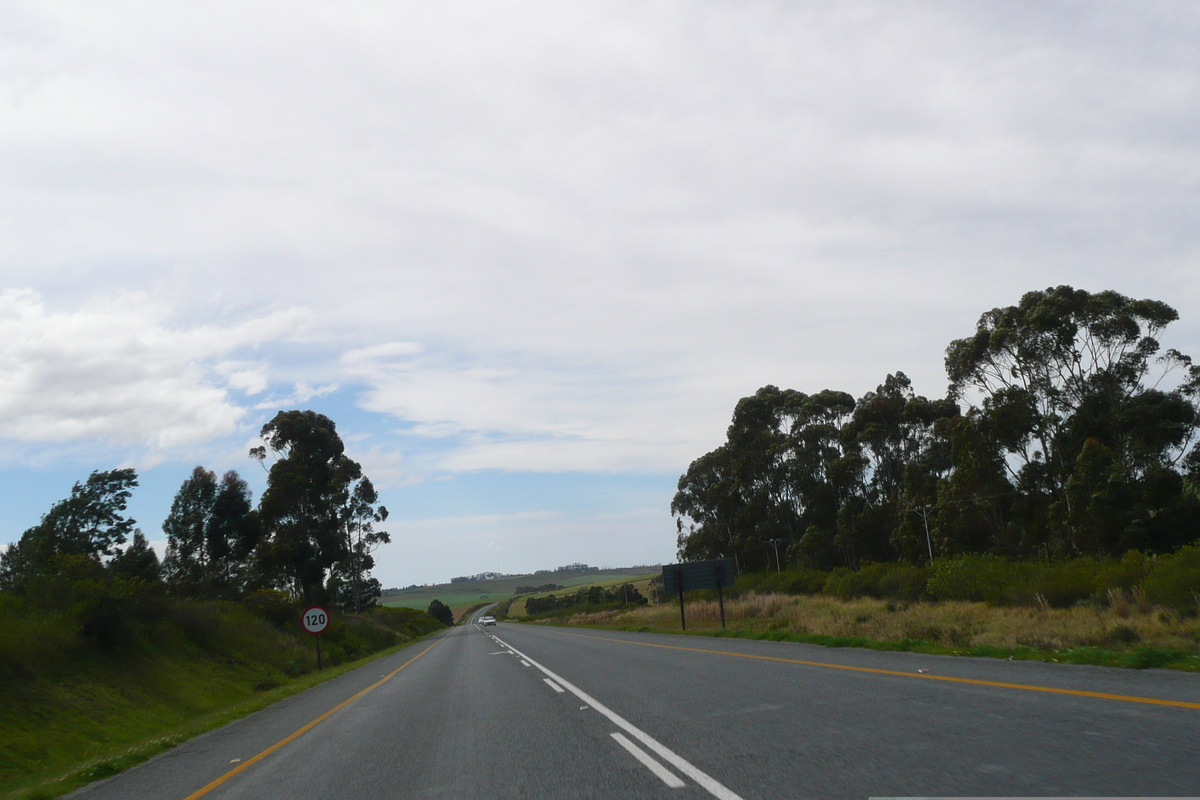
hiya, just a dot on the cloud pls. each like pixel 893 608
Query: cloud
pixel 116 371
pixel 571 236
pixel 301 393
pixel 384 467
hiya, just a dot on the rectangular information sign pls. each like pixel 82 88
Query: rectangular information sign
pixel 692 575
pixel 698 575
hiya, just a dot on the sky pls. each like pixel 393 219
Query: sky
pixel 529 255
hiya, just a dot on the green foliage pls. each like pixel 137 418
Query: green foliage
pixel 1064 447
pixel 275 606
pixel 441 612
pixel 211 530
pixel 892 581
pixel 1174 581
pixel 88 524
pixel 796 580
pixel 318 514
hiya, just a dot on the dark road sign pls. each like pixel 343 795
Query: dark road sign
pixel 698 575
pixel 692 575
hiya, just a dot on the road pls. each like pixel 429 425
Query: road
pixel 525 711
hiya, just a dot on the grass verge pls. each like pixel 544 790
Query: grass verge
pixel 1153 637
pixel 135 734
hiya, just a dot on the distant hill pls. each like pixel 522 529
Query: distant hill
pixel 463 593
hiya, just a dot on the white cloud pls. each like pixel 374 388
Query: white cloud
pixel 115 370
pixel 384 467
pixel 570 236
pixel 301 393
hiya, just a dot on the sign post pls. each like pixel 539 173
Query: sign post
pixel 692 575
pixel 315 620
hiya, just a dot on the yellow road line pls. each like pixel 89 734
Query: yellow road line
pixel 1154 701
pixel 206 789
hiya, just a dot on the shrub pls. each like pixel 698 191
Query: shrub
pixel 979 578
pixel 1062 583
pixel 888 581
pixel 1174 580
pixel 275 606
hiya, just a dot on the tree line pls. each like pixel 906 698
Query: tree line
pixel 1066 431
pixel 311 535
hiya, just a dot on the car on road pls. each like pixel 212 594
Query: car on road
pixel 485 621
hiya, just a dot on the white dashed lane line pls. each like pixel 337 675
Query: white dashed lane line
pixel 553 685
pixel 707 782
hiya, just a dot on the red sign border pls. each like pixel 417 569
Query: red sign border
pixel 328 619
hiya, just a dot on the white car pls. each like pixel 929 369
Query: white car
pixel 485 621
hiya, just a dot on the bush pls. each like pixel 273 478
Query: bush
pixel 978 578
pixel 1062 584
pixel 441 612
pixel 1130 571
pixel 796 580
pixel 1174 580
pixel 274 606
pixel 888 581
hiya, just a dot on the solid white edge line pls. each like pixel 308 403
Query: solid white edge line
pixel 553 685
pixel 710 784
pixel 664 774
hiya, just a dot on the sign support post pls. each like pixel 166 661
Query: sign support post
pixel 315 620
pixel 682 618
pixel 721 602
pixel 692 575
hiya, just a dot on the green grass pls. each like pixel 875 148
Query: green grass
pixel 60 735
pixel 74 712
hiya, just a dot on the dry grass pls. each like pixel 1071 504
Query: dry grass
pixel 1128 623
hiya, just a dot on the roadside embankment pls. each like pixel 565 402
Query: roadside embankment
pixel 76 709
pixel 1131 635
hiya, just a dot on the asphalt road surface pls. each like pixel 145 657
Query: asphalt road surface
pixel 526 711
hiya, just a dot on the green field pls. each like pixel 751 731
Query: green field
pixel 467 593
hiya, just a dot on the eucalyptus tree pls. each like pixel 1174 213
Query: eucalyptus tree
pixel 362 513
pixel 212 530
pixel 89 524
pixel 318 511
pixel 1068 384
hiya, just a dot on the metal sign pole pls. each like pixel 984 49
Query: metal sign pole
pixel 721 601
pixel 318 651
pixel 682 618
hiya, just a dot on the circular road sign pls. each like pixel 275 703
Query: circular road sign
pixel 315 620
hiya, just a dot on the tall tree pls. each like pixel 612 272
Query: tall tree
pixel 303 509
pixel 186 564
pixel 362 512
pixel 1063 368
pixel 89 524
pixel 211 531
pixel 137 561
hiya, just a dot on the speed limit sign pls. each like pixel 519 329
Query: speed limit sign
pixel 315 620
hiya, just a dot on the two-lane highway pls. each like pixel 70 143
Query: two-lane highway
pixel 522 711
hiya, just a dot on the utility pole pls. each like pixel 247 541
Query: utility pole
pixel 775 543
pixel 923 513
